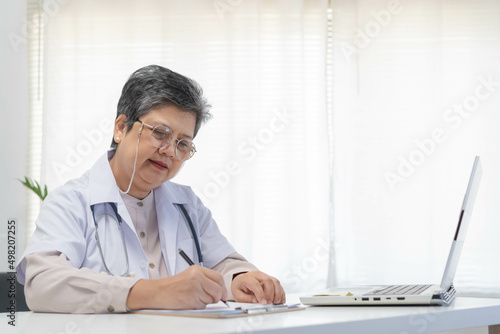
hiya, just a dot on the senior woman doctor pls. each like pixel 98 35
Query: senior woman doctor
pixel 107 242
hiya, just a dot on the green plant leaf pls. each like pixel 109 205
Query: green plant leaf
pixel 35 187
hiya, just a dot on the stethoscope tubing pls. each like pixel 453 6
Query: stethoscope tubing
pixel 193 232
pixel 119 220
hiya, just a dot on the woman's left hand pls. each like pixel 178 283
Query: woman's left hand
pixel 257 287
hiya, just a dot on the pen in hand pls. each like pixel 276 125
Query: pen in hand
pixel 191 263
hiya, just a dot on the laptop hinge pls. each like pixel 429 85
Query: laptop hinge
pixel 446 296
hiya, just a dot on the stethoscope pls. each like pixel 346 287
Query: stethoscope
pixel 119 220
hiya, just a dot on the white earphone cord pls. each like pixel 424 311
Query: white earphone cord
pixel 135 161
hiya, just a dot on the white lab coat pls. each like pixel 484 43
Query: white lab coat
pixel 65 224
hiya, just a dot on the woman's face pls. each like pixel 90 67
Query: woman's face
pixel 154 166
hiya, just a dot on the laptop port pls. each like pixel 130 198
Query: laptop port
pixel 376 298
pixel 401 298
pixel 365 298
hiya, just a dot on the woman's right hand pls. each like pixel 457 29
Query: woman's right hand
pixel 193 288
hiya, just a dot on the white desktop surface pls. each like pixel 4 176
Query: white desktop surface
pixel 463 313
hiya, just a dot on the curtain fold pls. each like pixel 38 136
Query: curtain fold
pixel 416 90
pixel 262 162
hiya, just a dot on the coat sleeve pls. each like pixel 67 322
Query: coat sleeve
pixel 54 285
pixel 231 265
pixel 60 226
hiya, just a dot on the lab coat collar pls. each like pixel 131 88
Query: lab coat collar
pixel 102 184
pixel 103 189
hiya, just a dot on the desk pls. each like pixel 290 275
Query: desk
pixel 463 313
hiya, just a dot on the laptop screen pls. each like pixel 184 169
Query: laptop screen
pixel 463 224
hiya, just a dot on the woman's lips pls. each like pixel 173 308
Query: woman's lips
pixel 158 164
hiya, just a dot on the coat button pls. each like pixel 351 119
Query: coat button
pixel 152 265
pixel 111 308
pixel 142 234
pixel 139 204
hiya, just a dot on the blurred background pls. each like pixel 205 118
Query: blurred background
pixel 343 134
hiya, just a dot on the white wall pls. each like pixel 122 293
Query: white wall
pixel 13 125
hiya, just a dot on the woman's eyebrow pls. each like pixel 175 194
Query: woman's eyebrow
pixel 187 136
pixel 183 135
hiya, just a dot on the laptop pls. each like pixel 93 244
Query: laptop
pixel 421 294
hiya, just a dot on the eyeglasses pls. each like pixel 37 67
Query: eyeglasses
pixel 161 136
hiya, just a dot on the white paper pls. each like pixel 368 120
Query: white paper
pixel 217 307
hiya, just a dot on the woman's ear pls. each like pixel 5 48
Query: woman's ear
pixel 120 128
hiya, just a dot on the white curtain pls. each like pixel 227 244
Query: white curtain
pixel 416 95
pixel 262 165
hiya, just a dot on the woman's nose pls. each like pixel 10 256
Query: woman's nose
pixel 169 150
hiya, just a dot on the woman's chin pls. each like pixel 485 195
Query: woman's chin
pixel 152 181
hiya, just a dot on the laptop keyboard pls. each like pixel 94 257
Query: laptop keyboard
pixel 400 290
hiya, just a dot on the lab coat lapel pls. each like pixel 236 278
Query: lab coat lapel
pixel 103 188
pixel 168 222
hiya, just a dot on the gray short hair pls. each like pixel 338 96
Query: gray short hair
pixel 153 86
